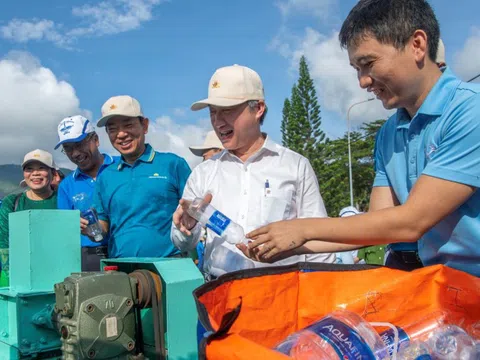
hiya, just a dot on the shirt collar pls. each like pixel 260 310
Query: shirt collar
pixel 268 145
pixel 436 101
pixel 147 157
pixel 107 160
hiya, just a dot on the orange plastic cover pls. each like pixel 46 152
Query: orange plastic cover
pixel 249 312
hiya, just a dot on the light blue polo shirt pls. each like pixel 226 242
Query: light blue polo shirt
pixel 139 200
pixel 441 140
pixel 75 183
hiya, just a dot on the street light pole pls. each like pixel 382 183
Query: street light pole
pixel 350 149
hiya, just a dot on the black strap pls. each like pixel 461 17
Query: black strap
pixel 17 200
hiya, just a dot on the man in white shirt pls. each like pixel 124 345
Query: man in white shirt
pixel 254 181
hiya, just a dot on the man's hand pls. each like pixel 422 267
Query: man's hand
pixel 253 254
pixel 182 220
pixel 277 238
pixel 84 227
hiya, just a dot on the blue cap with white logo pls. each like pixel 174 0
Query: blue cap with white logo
pixel 73 129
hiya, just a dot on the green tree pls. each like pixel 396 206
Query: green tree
pixel 334 178
pixel 301 122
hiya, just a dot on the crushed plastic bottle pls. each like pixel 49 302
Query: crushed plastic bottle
pixel 219 223
pixel 452 343
pixel 417 350
pixel 338 336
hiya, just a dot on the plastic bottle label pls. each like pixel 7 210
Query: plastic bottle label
pixel 388 339
pixel 90 216
pixel 424 357
pixel 347 343
pixel 218 222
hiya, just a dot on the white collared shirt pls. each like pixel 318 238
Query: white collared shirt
pixel 238 190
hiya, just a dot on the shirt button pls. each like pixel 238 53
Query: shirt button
pixel 243 217
pixel 412 136
pixel 245 192
pixel 412 161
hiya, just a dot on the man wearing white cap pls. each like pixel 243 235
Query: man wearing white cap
pixel 135 198
pixel 211 146
pixel 254 182
pixel 38 171
pixel 80 143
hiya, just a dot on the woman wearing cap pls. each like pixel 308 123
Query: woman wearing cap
pixel 38 172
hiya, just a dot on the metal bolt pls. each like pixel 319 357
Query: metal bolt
pixel 90 308
pixel 130 345
pixel 25 342
pixel 129 303
pixel 4 334
pixel 91 354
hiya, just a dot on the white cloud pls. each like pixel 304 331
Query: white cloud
pixel 33 101
pixel 24 30
pixel 105 18
pixel 112 17
pixel 465 62
pixel 318 8
pixel 336 81
pixel 180 112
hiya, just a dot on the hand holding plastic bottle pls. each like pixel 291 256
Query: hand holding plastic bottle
pixel 182 220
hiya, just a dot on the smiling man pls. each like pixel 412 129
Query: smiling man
pixel 80 143
pixel 136 197
pixel 427 155
pixel 254 182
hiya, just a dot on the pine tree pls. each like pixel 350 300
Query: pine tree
pixel 301 123
pixel 283 126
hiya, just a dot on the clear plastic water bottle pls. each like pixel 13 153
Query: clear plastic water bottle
pixel 213 219
pixel 81 202
pixel 452 343
pixel 416 350
pixel 340 335
pixel 418 331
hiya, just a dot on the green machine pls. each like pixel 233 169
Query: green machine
pixel 38 257
pixel 138 308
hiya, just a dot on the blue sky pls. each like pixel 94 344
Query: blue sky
pixel 69 57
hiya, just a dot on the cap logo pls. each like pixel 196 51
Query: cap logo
pixel 66 126
pixel 36 155
pixel 113 107
pixel 215 85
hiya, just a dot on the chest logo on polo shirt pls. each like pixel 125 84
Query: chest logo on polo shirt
pixel 430 150
pixel 157 176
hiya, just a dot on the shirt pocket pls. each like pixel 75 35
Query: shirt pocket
pixel 276 206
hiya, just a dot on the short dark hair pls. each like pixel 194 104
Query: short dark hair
pixel 391 22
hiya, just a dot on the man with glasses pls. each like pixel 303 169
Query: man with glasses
pixel 136 197
pixel 80 143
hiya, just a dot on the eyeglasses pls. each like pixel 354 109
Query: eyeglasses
pixel 68 149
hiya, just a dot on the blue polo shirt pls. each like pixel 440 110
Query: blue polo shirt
pixel 139 200
pixel 441 140
pixel 78 182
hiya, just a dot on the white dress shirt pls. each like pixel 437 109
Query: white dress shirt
pixel 239 192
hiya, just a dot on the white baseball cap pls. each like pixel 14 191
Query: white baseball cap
pixel 349 211
pixel 122 105
pixel 440 52
pixel 211 142
pixel 73 129
pixel 41 156
pixel 230 86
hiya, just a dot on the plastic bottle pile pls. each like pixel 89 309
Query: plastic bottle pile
pixel 345 335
